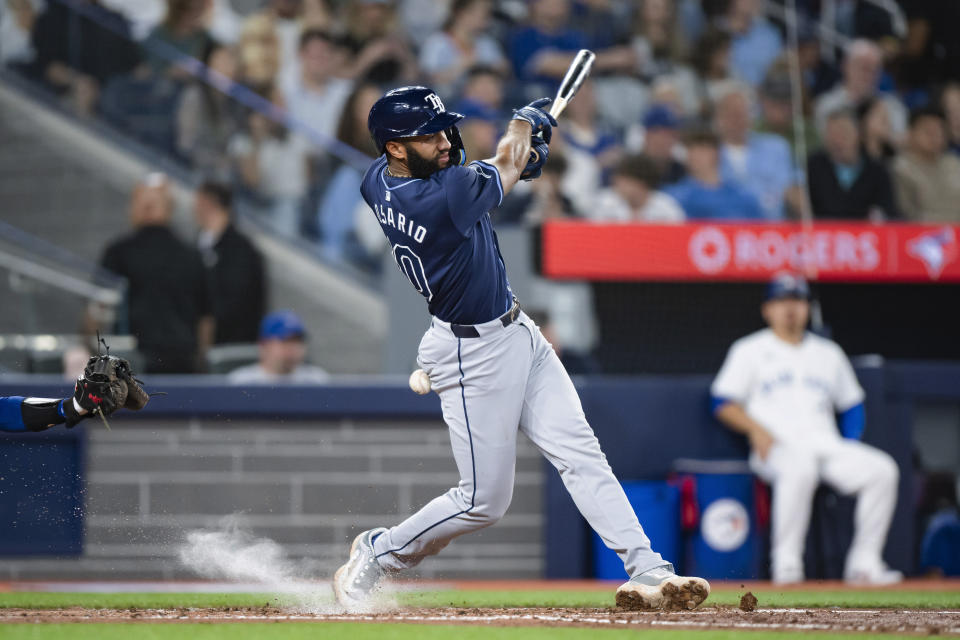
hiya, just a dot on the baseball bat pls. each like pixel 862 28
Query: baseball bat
pixel 577 72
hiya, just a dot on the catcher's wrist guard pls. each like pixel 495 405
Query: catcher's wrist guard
pixel 39 414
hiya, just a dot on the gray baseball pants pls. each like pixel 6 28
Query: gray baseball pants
pixel 489 386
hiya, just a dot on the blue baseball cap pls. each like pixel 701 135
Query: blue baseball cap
pixel 787 285
pixel 282 325
pixel 661 117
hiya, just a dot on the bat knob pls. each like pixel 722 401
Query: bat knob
pixel 534 157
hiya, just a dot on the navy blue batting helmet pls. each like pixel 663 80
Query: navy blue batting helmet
pixel 413 111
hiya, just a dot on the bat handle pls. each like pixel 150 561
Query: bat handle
pixel 559 104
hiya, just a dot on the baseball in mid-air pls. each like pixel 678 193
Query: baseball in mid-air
pixel 420 382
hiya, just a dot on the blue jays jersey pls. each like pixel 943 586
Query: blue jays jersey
pixel 442 238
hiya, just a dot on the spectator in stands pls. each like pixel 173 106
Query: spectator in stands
pixel 207 118
pixel 660 138
pixel 756 43
pixel 541 49
pixel 168 301
pixel 483 89
pixel 862 67
pixel 591 151
pixel 931 48
pixel 926 176
pixel 658 40
pixel 317 96
pixel 876 134
pixel 238 288
pixel 780 387
pixel 704 194
pixel 183 31
pixel 278 26
pixel 776 109
pixel 260 52
pixel 16 24
pixel 711 61
pixel 760 162
pixel 272 163
pixel 78 48
pixel 341 207
pixel 603 23
pixel 283 353
pixel 381 52
pixel 422 18
pixel 633 195
pixel 844 182
pixel 662 49
pixel 448 55
pixel 950 103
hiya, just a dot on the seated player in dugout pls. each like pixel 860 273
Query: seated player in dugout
pixel 491 366
pixel 781 387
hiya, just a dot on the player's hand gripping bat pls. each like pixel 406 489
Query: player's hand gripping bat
pixel 577 72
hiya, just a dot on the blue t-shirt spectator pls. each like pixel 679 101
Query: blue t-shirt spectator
pixel 725 201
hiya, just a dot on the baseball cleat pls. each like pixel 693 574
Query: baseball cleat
pixel 355 581
pixel 661 588
pixel 873 576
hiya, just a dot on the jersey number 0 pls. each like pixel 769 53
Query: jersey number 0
pixel 412 266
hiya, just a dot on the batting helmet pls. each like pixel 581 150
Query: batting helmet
pixel 414 111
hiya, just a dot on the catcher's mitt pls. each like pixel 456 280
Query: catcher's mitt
pixel 107 384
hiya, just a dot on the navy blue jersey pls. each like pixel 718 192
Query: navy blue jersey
pixel 442 238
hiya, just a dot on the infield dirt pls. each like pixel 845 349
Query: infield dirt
pixel 922 622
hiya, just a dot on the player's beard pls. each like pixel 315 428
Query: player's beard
pixel 421 167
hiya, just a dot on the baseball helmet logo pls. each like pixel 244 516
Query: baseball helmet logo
pixel 435 102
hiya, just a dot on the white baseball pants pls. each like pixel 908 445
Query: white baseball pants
pixel 510 378
pixel 851 468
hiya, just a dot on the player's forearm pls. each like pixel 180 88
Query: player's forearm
pixel 513 151
pixel 734 417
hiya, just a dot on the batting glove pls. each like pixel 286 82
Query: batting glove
pixel 538 157
pixel 541 121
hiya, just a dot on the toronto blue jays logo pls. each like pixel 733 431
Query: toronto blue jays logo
pixel 935 250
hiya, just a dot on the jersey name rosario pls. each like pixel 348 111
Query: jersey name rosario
pixel 442 238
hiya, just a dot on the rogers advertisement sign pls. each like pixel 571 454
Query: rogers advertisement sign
pixel 829 251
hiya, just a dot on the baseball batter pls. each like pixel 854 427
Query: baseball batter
pixel 781 387
pixel 493 370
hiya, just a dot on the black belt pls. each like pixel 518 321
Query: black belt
pixel 470 331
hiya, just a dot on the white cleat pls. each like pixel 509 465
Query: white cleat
pixel 877 576
pixel 355 581
pixel 661 588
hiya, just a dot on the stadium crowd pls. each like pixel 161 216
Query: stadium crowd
pixel 690 113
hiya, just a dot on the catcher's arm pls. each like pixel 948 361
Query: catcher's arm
pixel 107 385
pixel 19 414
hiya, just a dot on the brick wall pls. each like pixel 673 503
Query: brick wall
pixel 308 485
